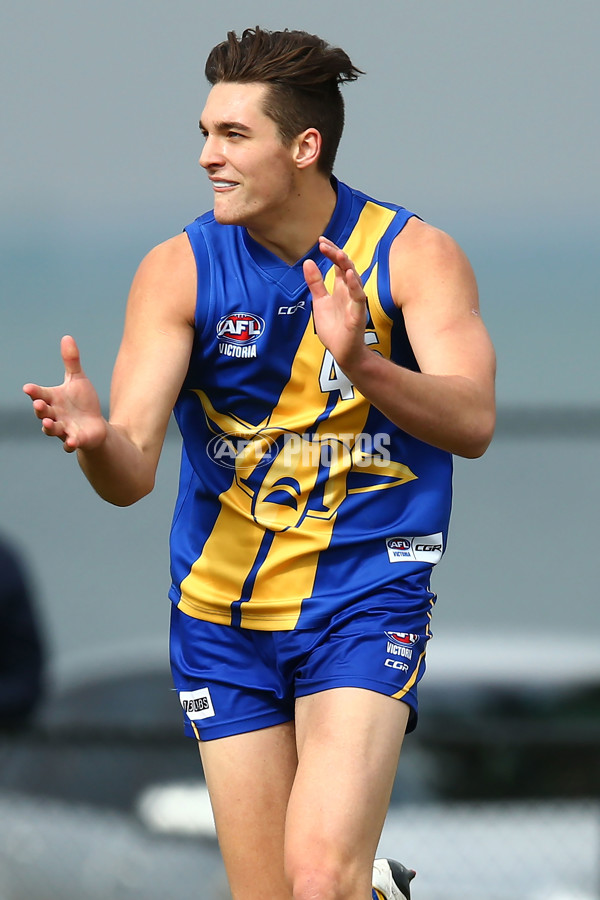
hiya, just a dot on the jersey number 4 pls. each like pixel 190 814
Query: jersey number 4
pixel 331 377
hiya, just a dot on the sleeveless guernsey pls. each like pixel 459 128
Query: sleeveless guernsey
pixel 297 497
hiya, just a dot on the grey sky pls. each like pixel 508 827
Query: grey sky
pixel 480 115
pixel 470 109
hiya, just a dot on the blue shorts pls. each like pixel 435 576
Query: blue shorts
pixel 232 680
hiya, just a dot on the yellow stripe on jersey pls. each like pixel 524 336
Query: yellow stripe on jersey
pixel 277 579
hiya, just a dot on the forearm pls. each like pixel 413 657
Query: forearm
pixel 452 412
pixel 118 470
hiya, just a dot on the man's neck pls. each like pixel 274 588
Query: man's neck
pixel 300 224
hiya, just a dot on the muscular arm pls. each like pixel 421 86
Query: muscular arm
pixel 119 456
pixel 450 402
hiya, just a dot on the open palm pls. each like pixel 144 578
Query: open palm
pixel 70 411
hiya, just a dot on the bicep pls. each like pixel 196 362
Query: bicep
pixel 155 349
pixel 434 285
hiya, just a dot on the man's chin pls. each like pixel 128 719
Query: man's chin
pixel 223 219
pixel 226 216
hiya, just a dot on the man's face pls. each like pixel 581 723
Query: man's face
pixel 252 173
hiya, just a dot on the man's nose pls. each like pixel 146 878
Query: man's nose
pixel 211 154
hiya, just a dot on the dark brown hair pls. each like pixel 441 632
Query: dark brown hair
pixel 303 73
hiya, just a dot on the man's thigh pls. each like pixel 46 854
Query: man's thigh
pixel 249 778
pixel 349 742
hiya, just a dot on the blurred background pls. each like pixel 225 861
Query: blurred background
pixel 481 117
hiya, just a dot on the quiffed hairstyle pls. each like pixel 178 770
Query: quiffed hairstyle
pixel 303 74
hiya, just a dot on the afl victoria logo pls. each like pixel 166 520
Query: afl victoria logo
pixel 399 544
pixel 401 638
pixel 240 328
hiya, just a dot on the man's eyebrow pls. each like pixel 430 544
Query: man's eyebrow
pixel 226 126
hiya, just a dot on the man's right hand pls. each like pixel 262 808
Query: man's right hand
pixel 70 411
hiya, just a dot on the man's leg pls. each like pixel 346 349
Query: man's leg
pixel 349 741
pixel 249 778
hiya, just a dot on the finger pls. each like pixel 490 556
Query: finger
pixel 331 251
pixel 346 271
pixel 42 409
pixel 335 254
pixel 70 355
pixel 70 444
pixel 36 392
pixel 328 242
pixel 355 287
pixel 57 430
pixel 52 428
pixel 314 279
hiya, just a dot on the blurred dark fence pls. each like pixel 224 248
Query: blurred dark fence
pixel 534 421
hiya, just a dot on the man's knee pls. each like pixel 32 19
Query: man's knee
pixel 318 876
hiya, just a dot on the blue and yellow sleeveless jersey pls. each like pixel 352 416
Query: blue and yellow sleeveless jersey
pixel 297 497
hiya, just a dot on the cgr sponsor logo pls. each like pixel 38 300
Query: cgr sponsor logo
pixel 396 664
pixel 290 310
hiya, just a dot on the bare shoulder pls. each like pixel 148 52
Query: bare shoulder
pixel 427 242
pixel 176 251
pixel 166 277
pixel 424 257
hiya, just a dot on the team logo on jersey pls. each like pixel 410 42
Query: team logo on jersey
pixel 398 544
pixel 299 482
pixel 401 638
pixel 238 333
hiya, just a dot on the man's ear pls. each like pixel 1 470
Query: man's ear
pixel 308 148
